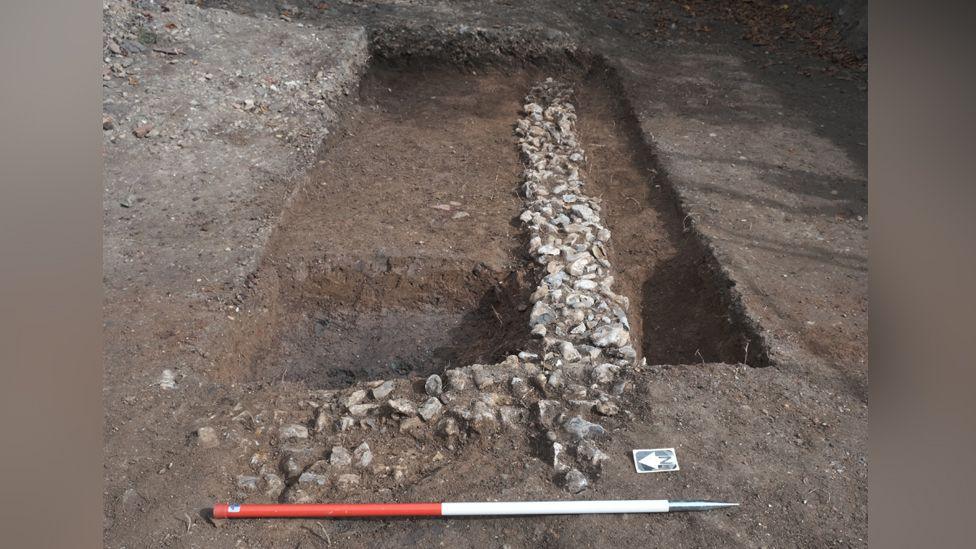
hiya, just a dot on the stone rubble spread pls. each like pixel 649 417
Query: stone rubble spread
pixel 556 393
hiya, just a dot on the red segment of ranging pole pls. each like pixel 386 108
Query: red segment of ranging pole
pixel 319 510
pixel 466 509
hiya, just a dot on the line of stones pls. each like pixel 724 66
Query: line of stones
pixel 582 321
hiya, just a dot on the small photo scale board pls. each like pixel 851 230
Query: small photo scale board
pixel 655 460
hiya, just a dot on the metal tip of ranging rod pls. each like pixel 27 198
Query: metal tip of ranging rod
pixel 698 505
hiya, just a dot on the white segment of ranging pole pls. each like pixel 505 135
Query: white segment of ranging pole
pixel 554 507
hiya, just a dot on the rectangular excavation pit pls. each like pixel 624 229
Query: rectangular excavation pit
pixel 402 252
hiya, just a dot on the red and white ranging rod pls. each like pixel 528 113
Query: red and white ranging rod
pixel 460 509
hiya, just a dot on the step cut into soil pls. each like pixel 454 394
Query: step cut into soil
pixel 402 254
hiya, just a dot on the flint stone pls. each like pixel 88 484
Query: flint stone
pixel 340 457
pixel 556 279
pixel 574 315
pixel 580 301
pixel 290 466
pixel 293 431
pixel 430 409
pixel 363 455
pixel 483 418
pixel 575 481
pixel 355 398
pixel 258 460
pixel 604 373
pixel 581 429
pixel 622 386
pixel 309 478
pixel 585 284
pixel 304 455
pixel 590 456
pixel 381 392
pixel 556 379
pixel 541 314
pixel 434 386
pixel 583 211
pixel 578 267
pixel 628 352
pixel 606 408
pixel 362 409
pixel 520 389
pixel 248 482
pixel 610 334
pixel 569 352
pixel 546 412
pixel 402 406
pixel 600 254
pixel 558 452
pixel 207 437
pixel 275 485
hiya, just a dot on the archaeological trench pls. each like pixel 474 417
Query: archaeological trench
pixel 480 250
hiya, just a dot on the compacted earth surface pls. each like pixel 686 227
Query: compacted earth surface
pixel 425 251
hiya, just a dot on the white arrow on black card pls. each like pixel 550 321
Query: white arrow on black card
pixel 655 460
